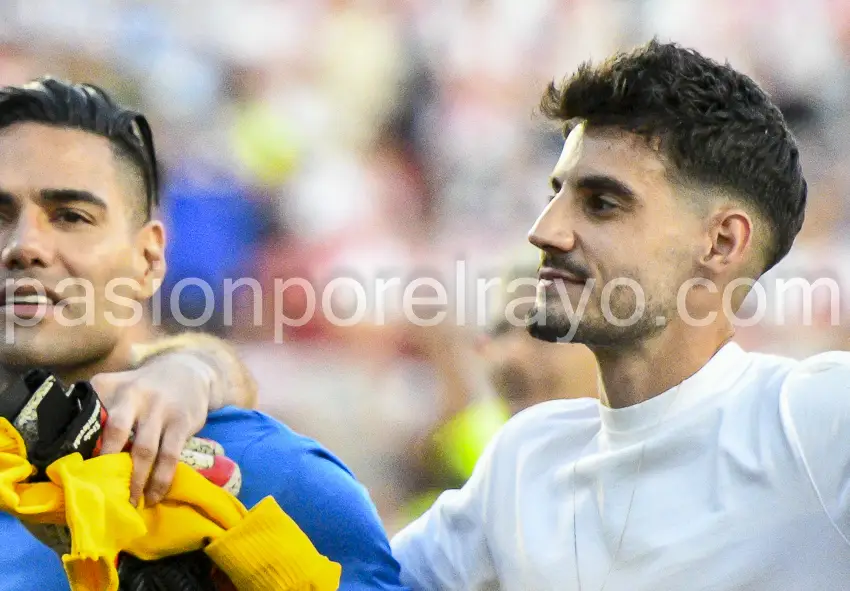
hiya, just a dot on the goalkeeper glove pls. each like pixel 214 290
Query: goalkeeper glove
pixel 54 422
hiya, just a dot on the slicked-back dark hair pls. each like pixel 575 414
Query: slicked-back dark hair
pixel 716 127
pixel 87 107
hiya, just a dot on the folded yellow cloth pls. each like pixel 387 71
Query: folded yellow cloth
pixel 258 549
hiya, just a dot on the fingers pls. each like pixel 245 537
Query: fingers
pixel 107 386
pixel 174 438
pixel 144 398
pixel 118 429
pixel 144 452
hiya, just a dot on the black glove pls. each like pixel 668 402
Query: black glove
pixel 53 421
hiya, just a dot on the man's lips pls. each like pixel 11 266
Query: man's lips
pixel 26 299
pixel 551 274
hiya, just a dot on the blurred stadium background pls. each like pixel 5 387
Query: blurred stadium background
pixel 394 138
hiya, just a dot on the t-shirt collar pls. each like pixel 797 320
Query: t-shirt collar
pixel 719 374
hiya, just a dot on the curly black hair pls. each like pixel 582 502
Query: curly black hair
pixel 715 126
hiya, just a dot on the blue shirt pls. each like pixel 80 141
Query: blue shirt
pixel 311 485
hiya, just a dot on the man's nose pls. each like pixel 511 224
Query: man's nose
pixel 554 229
pixel 28 243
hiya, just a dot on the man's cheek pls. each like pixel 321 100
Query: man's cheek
pixel 76 310
pixel 120 306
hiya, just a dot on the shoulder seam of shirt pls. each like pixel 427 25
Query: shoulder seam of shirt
pixel 795 442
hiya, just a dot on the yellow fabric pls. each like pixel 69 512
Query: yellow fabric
pixel 258 549
pixel 250 554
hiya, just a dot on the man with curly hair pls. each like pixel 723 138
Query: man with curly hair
pixel 702 466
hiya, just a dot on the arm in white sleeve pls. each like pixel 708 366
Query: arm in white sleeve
pixel 816 412
pixel 446 549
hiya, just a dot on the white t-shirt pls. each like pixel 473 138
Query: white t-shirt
pixel 744 485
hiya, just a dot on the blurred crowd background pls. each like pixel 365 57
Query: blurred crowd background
pixel 376 139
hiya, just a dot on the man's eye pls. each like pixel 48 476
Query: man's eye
pixel 70 216
pixel 598 203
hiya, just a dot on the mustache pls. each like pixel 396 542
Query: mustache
pixel 561 263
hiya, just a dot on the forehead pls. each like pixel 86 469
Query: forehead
pixel 610 152
pixel 35 156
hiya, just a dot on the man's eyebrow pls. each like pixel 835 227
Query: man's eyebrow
pixel 601 183
pixel 556 184
pixel 69 196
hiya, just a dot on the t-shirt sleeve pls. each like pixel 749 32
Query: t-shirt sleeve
pixel 446 548
pixel 331 507
pixel 815 409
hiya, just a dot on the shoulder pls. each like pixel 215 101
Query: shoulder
pixel 814 411
pixel 315 488
pixel 555 418
pixel 259 442
pixel 265 449
pixel 828 364
pixel 534 435
pixel 566 410
pixel 818 387
pixel 788 393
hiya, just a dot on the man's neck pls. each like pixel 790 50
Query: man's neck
pixel 634 375
pixel 582 385
pixel 69 375
pixel 117 360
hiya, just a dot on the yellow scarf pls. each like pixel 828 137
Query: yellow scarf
pixel 260 549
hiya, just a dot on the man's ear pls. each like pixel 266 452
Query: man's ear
pixel 730 241
pixel 150 258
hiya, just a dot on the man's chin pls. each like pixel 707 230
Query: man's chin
pixel 34 346
pixel 543 333
pixel 24 335
pixel 550 333
pixel 547 325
